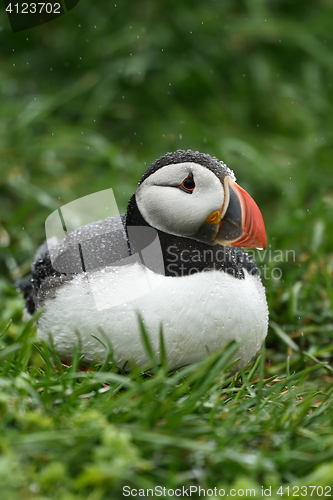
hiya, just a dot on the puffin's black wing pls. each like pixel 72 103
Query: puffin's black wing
pixel 93 246
pixel 41 268
pixel 25 285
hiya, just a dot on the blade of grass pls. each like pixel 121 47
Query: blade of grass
pixel 284 337
pixel 147 343
pixel 3 333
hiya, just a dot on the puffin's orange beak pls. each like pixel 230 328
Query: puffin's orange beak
pixel 240 220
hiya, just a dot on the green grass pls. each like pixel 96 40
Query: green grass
pixel 72 434
pixel 87 102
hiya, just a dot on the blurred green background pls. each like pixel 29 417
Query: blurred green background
pixel 89 100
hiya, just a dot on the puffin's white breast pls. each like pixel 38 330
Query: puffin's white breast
pixel 199 313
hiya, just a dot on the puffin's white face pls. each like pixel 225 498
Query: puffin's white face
pixel 177 199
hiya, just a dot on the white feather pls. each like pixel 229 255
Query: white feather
pixel 199 313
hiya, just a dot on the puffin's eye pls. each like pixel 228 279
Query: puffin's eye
pixel 188 184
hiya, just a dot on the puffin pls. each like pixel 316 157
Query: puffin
pixel 173 263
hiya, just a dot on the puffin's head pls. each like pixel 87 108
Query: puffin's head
pixel 194 195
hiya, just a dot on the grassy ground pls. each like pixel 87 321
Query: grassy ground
pixel 87 102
